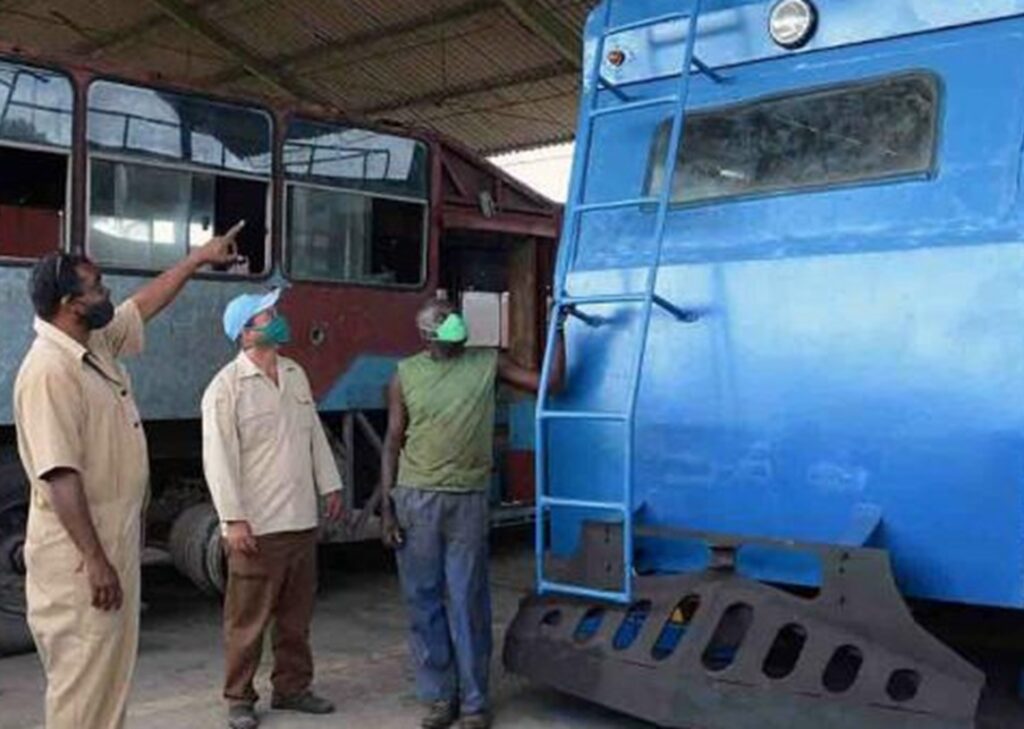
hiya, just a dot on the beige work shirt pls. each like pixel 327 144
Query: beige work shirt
pixel 265 453
pixel 74 409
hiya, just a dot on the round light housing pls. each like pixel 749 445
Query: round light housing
pixel 793 22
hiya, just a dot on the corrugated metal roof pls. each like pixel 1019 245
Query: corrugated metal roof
pixel 471 69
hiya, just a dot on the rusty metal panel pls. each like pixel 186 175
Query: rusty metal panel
pixel 716 650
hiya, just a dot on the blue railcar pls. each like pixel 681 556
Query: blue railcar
pixel 797 271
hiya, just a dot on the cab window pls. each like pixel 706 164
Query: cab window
pixel 857 133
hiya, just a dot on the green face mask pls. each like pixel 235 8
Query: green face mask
pixel 452 330
pixel 276 332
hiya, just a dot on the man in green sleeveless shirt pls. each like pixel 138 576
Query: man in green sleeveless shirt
pixel 438 451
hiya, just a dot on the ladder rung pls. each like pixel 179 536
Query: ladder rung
pixel 633 106
pixel 616 204
pixel 658 20
pixel 628 298
pixel 580 415
pixel 580 591
pixel 560 503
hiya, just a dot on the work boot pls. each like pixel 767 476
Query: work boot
pixel 304 703
pixel 478 720
pixel 441 715
pixel 242 716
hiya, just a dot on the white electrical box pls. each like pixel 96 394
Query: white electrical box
pixel 484 317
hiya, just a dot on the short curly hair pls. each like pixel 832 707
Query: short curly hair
pixel 432 314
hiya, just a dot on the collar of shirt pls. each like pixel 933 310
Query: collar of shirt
pixel 247 368
pixel 50 333
pixel 77 351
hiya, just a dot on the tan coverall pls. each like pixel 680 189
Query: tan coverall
pixel 74 409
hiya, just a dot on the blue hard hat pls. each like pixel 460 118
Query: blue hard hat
pixel 243 308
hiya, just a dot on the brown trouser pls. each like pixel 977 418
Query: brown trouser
pixel 278 583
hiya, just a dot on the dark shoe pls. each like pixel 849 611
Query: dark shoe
pixel 242 716
pixel 442 714
pixel 307 703
pixel 479 720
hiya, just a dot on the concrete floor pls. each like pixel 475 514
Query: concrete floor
pixel 359 642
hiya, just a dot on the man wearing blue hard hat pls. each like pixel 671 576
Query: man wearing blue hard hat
pixel 267 463
pixel 435 469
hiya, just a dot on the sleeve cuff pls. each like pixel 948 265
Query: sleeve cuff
pixel 57 465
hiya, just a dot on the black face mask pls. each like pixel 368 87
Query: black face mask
pixel 99 315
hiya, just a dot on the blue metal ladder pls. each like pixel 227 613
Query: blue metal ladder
pixel 647 298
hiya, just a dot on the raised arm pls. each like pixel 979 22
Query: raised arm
pixel 512 373
pixel 152 298
pixel 397 421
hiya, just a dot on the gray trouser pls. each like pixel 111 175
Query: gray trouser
pixel 445 550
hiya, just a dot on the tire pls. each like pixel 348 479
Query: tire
pixel 13 517
pixel 196 548
pixel 14 634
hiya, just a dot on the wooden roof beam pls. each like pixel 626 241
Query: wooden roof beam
pixel 544 24
pixel 187 17
pixel 106 41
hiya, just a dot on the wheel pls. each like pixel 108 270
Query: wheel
pixel 196 549
pixel 14 634
pixel 13 517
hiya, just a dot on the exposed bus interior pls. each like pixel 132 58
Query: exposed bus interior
pixel 495 278
pixel 148 217
pixel 33 201
pixel 338 235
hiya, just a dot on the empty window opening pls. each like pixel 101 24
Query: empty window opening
pixel 785 651
pixel 149 218
pixel 728 637
pixel 33 201
pixel 675 628
pixel 551 618
pixel 903 685
pixel 842 669
pixel 632 625
pixel 589 624
pixel 348 237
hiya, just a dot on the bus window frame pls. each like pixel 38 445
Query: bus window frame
pixel 155 161
pixel 286 261
pixel 929 174
pixel 427 202
pixel 68 153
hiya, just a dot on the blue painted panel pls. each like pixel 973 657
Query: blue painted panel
pixel 185 346
pixel 856 374
pixel 522 433
pixel 363 387
pixel 734 32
